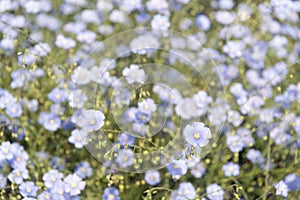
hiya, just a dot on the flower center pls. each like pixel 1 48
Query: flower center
pixel 57 96
pixel 197 135
pixel 92 122
pixel 74 185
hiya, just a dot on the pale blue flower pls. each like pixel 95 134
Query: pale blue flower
pixel 92 120
pixel 234 49
pixel 124 138
pixel 58 95
pixel 255 156
pixel 28 189
pixel 125 158
pixel 198 170
pixel 64 42
pixel 83 170
pixel 187 190
pixel 160 21
pixel 131 5
pixel 18 175
pixel 203 22
pixel 152 177
pixel 197 134
pixel 50 121
pixel 234 143
pixel 215 192
pixel 134 74
pixel 292 181
pixel 78 138
pixel 177 168
pixel 231 169
pixel 86 36
pixel 14 110
pixel 147 105
pixel 41 49
pixel 52 177
pixel 225 17
pixel 281 188
pixel 141 117
pixel 74 184
pixel 3 181
pixel 111 193
pixel 160 6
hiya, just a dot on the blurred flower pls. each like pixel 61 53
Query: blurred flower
pixel 203 22
pixel 131 5
pixel 74 184
pixel 234 143
pixel 141 117
pixel 125 157
pixel 177 168
pixel 92 120
pixel 141 43
pixel 50 121
pixel 186 190
pixel 226 4
pixel 3 181
pixel 20 76
pixel 81 76
pixel 160 21
pixel 124 139
pixel 231 169
pixel 28 189
pixel 18 175
pixel 78 138
pixel 57 95
pixel 83 170
pixel 118 16
pixel 281 189
pixel 234 49
pixel 139 128
pixel 255 157
pixel 198 170
pixel 215 192
pixel 197 134
pixel 14 110
pixel 147 105
pixel 292 181
pixel 51 178
pixel 152 177
pixel 160 6
pixel 44 195
pixel 41 49
pixel 58 190
pixel 111 193
pixel 64 42
pixel 86 37
pixel 225 17
pixel 134 74
pixel 7 151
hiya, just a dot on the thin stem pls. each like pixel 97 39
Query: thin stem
pixel 267 167
pixel 241 188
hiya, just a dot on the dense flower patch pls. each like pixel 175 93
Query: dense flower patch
pixel 157 99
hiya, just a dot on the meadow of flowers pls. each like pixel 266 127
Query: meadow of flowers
pixel 156 99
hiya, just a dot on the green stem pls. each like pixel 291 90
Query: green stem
pixel 267 167
pixel 241 188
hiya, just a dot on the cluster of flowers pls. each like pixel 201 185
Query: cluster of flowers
pixel 14 160
pixel 44 50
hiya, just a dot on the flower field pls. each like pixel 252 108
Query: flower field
pixel 154 100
